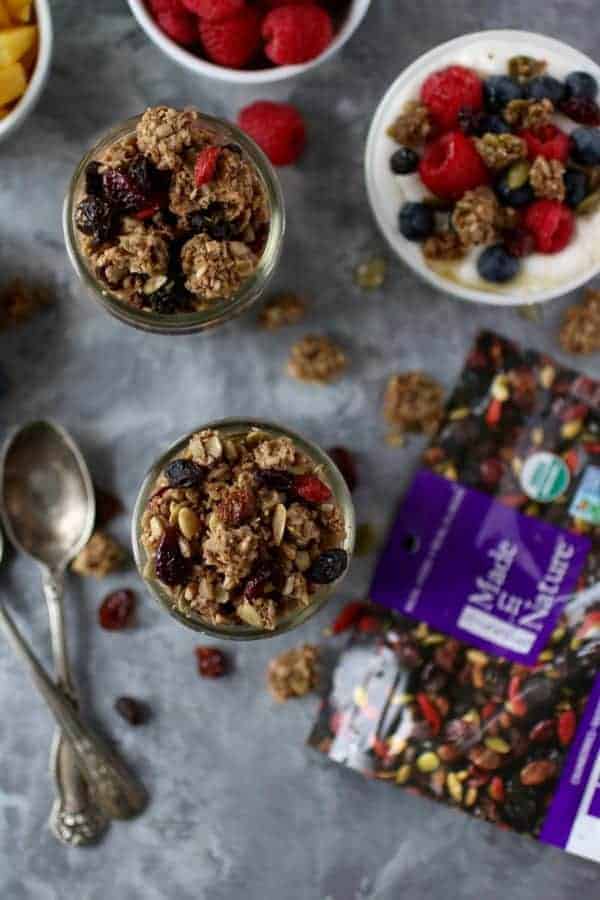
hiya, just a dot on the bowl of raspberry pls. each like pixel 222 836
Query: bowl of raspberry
pixel 242 529
pixel 483 167
pixel 249 41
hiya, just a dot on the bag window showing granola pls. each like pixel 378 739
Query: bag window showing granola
pixel 477 680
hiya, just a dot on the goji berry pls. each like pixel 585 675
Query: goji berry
pixel 517 703
pixel 494 412
pixel 496 789
pixel 206 165
pixel 380 748
pixel 488 711
pixel 542 732
pixel 430 713
pixel 311 489
pixel 565 727
pixel 572 461
pixel 368 624
pixel 349 616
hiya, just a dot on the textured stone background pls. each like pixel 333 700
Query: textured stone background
pixel 240 808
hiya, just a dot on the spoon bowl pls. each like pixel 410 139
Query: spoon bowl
pixel 49 507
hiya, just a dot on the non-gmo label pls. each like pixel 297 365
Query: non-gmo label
pixel 545 477
pixel 586 502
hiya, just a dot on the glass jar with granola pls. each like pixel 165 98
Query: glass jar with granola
pixel 174 220
pixel 241 529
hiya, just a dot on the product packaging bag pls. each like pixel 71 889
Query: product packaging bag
pixel 475 680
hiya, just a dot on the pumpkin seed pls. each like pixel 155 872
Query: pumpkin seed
pixel 455 788
pixel 499 745
pixel 589 205
pixel 518 174
pixel 403 774
pixel 428 762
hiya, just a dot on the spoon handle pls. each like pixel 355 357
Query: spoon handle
pixel 76 818
pixel 114 789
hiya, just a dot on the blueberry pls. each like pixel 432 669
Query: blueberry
pixel 416 221
pixel 580 84
pixel 499 90
pixel 517 197
pixel 495 264
pixel 576 187
pixel 496 125
pixel 545 87
pixel 586 146
pixel 404 161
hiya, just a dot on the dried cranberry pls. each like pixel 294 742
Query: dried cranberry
pixel 276 480
pixel 172 297
pixel 133 711
pixel 582 110
pixel 116 610
pixel 184 473
pixel 171 566
pixel 311 489
pixel 264 572
pixel 122 191
pixel 345 463
pixel 519 242
pixel 93 179
pixel 146 178
pixel 211 662
pixel 96 218
pixel 328 567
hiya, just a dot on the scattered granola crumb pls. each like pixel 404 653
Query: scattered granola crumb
pixel 413 402
pixel 580 332
pixel 445 245
pixel 546 178
pixel 412 126
pixel 525 67
pixel 370 275
pixel 475 217
pixel 394 439
pixel 499 150
pixel 316 358
pixel 283 309
pixel 293 673
pixel 100 556
pixel 531 114
pixel 19 302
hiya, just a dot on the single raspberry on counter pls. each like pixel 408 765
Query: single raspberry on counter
pixel 451 166
pixel 179 25
pixel 551 223
pixel 206 165
pixel 214 10
pixel 296 33
pixel 277 128
pixel 548 141
pixel 232 42
pixel 448 91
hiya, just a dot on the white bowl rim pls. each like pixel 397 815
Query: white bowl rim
pixel 438 281
pixel 38 80
pixel 200 66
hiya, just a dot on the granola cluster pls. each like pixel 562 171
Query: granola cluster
pixel 173 220
pixel 475 217
pixel 546 178
pixel 580 332
pixel 242 530
pixel 316 358
pixel 533 114
pixel 499 150
pixel 413 402
pixel 100 556
pixel 293 673
pixel 444 245
pixel 524 68
pixel 281 310
pixel 20 301
pixel 413 125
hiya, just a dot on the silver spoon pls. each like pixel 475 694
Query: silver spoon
pixel 47 505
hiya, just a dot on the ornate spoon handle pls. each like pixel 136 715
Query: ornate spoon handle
pixel 75 818
pixel 114 789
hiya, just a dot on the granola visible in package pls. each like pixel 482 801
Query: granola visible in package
pixel 477 681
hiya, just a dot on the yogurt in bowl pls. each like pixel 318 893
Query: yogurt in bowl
pixel 496 203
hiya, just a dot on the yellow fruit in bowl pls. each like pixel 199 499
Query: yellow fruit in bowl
pixel 19 10
pixel 5 19
pixel 16 42
pixel 13 82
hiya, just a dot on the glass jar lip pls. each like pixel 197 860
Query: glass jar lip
pixel 218 313
pixel 335 480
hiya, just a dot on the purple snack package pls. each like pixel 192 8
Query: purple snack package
pixel 477 680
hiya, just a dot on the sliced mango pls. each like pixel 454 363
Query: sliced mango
pixel 15 42
pixel 13 82
pixel 20 10
pixel 29 59
pixel 5 19
pixel 4 112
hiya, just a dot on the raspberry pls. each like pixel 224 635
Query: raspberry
pixel 214 10
pixel 446 92
pixel 551 223
pixel 206 165
pixel 179 25
pixel 234 41
pixel 451 166
pixel 548 141
pixel 311 489
pixel 582 110
pixel 296 33
pixel 277 128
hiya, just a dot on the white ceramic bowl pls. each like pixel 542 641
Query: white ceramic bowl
pixel 205 69
pixel 39 78
pixel 543 277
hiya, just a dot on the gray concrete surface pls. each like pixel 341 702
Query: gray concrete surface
pixel 241 810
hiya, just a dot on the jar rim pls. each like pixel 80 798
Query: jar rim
pixel 217 313
pixel 335 481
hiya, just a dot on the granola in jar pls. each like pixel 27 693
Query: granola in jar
pixel 242 528
pixel 173 218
